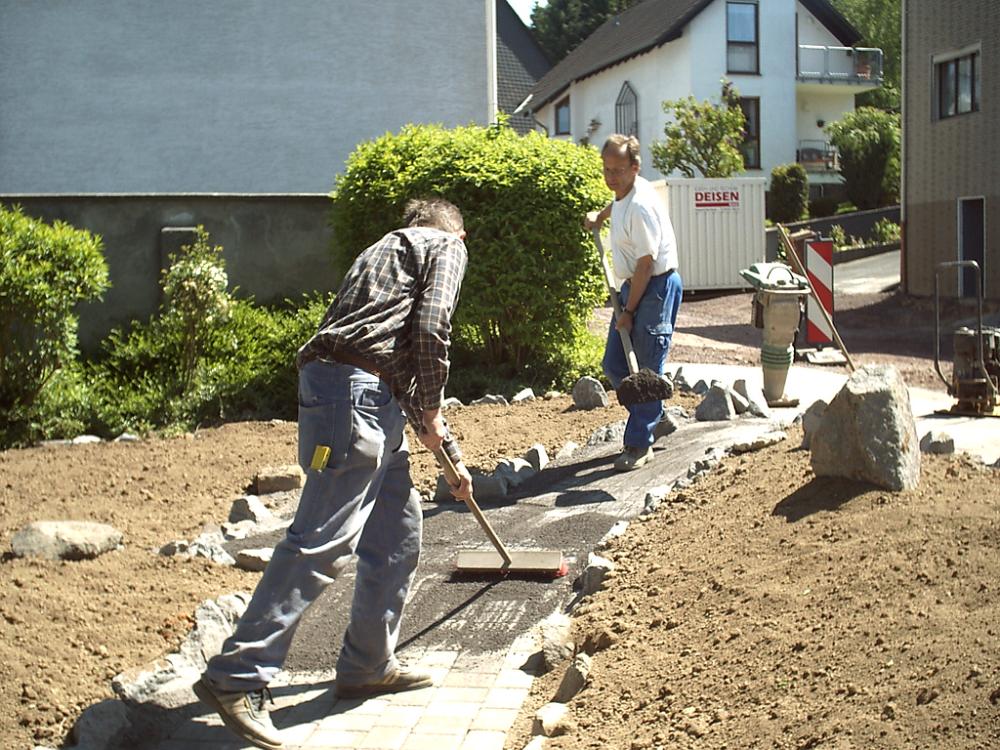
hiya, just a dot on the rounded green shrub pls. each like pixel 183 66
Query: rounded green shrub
pixel 46 270
pixel 533 278
pixel 789 195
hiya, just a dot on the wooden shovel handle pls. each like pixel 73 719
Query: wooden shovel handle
pixel 630 358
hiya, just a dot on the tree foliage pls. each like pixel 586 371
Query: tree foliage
pixel 532 279
pixel 561 25
pixel 703 137
pixel 788 198
pixel 868 142
pixel 879 24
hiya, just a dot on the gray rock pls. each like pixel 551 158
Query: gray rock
pixel 239 530
pixel 678 413
pixel 537 743
pixel 127 437
pixel 552 720
pixel 811 419
pixel 522 396
pixel 868 433
pixel 717 406
pixel 574 679
pixel 681 382
pixel 249 508
pixel 700 388
pixel 549 395
pixel 65 540
pixel 614 532
pixel 557 640
pixel 655 497
pixel 176 547
pixel 740 403
pixel 610 433
pixel 490 398
pixel 209 545
pixel 760 442
pixel 515 471
pixel 567 450
pixel 86 440
pixel 489 486
pixel 756 403
pixel 937 442
pixel 592 577
pixel 279 479
pixel 102 725
pixel 451 402
pixel 254 560
pixel 537 457
pixel 588 393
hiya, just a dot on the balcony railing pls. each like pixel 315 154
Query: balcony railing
pixel 817 156
pixel 854 65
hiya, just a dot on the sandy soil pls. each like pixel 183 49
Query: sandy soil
pixel 788 613
pixel 766 608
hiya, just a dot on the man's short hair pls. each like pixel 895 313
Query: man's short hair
pixel 433 212
pixel 624 145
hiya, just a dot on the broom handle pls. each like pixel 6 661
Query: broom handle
pixel 451 476
pixel 794 257
pixel 633 363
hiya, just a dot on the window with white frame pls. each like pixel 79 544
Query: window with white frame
pixel 742 32
pixel 562 117
pixel 627 111
pixel 957 80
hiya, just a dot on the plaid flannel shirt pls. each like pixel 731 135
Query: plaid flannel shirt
pixel 394 309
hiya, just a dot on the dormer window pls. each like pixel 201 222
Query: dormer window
pixel 562 117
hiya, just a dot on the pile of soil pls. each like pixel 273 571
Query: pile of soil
pixel 767 608
pixel 67 628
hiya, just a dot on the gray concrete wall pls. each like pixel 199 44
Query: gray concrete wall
pixel 951 158
pixel 230 96
pixel 275 246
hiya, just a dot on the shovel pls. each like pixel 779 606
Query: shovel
pixel 641 386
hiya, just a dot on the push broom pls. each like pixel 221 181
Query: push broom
pixel 642 385
pixel 503 561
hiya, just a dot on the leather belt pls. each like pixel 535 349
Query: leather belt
pixel 354 360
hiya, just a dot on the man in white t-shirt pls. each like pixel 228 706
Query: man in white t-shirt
pixel 644 258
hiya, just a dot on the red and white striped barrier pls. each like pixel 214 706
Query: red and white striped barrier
pixel 819 268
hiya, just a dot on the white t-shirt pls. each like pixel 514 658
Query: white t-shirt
pixel 640 226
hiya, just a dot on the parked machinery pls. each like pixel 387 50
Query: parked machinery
pixel 975 372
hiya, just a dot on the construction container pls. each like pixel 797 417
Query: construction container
pixel 719 225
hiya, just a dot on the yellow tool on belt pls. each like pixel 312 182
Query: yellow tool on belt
pixel 320 457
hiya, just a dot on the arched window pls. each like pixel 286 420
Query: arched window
pixel 627 111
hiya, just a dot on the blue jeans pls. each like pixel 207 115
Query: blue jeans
pixel 652 331
pixel 359 503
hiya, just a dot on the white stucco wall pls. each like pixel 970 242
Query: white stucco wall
pixel 225 96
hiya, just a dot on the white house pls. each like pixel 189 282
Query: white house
pixel 792 61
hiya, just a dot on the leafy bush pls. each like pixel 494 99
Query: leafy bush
pixel 533 277
pixel 789 195
pixel 46 270
pixel 838 235
pixel 703 137
pixel 868 142
pixel 885 231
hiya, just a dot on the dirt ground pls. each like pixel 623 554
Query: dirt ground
pixel 755 613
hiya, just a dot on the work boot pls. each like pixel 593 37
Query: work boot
pixel 398 680
pixel 632 458
pixel 244 713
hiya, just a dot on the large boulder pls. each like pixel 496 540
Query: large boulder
pixel 65 540
pixel 867 432
pixel 588 393
pixel 716 406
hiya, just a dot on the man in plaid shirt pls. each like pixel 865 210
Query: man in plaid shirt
pixel 381 350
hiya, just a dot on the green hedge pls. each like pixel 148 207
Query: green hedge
pixel 46 270
pixel 789 195
pixel 533 277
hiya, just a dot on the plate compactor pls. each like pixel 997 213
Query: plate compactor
pixel 975 372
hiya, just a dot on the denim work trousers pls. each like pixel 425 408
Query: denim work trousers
pixel 652 331
pixel 358 503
